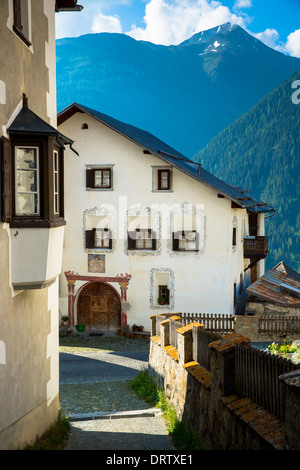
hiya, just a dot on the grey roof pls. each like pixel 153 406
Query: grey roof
pixel 280 285
pixel 27 122
pixel 156 147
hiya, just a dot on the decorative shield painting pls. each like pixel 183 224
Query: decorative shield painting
pixel 96 263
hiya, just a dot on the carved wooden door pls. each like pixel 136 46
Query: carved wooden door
pixel 99 307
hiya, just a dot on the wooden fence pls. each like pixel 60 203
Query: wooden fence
pixel 256 377
pixel 278 324
pixel 201 340
pixel 216 322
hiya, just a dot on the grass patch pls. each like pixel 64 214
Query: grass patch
pixel 54 438
pixel 182 435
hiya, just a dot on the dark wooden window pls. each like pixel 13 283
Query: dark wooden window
pixel 99 178
pixel 164 179
pixel 142 239
pixel 234 236
pixel 187 240
pixel 21 20
pixel 32 191
pixel 100 238
pixel 164 293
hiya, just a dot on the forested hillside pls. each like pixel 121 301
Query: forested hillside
pixel 261 152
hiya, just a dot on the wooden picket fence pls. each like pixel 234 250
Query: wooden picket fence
pixel 278 324
pixel 214 322
pixel 256 377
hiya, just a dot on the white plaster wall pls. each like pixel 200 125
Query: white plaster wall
pixel 202 282
pixel 29 376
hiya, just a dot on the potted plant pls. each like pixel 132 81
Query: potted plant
pixel 64 320
pixel 141 328
pixel 80 328
pixel 161 300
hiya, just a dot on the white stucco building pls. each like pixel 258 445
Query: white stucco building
pixel 31 220
pixel 144 223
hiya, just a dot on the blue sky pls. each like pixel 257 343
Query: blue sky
pixel 275 22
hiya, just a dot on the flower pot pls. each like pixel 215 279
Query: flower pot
pixel 80 328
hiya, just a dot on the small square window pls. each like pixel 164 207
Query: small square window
pixel 141 239
pixel 100 238
pixel 185 240
pixel 164 179
pixel 99 178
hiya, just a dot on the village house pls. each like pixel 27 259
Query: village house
pixel 276 292
pixel 32 219
pixel 150 231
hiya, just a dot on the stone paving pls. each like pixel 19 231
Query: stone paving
pixel 95 394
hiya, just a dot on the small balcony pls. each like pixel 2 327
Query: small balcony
pixel 255 247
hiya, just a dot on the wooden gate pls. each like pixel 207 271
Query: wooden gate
pixel 99 307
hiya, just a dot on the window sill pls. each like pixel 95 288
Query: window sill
pixel 99 189
pixel 162 191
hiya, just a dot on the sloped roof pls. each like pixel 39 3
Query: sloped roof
pixel 155 146
pixel 280 285
pixel 27 122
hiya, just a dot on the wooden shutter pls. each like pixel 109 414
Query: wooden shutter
pixel 89 238
pixel 6 165
pixel 89 179
pixel 153 237
pixel 197 241
pixel 110 240
pixel 131 240
pixel 175 241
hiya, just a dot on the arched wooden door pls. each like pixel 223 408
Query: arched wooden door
pixel 99 307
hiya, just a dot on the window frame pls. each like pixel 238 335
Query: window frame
pixel 91 177
pixel 160 171
pixel 18 193
pixel 19 19
pixel 131 237
pixel 90 239
pixel 166 296
pixel 176 238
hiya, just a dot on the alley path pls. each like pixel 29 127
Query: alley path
pixel 103 410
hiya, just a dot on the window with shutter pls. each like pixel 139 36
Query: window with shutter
pixel 187 240
pixel 99 178
pixel 98 238
pixel 142 239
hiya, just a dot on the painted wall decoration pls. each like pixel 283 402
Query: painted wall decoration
pixel 96 263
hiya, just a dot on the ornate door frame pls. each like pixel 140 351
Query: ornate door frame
pixel 72 277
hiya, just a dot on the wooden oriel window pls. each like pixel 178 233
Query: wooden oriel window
pixel 99 178
pixel 100 238
pixel 164 179
pixel 32 182
pixel 141 239
pixel 186 240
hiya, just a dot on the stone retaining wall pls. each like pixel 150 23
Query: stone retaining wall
pixel 207 399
